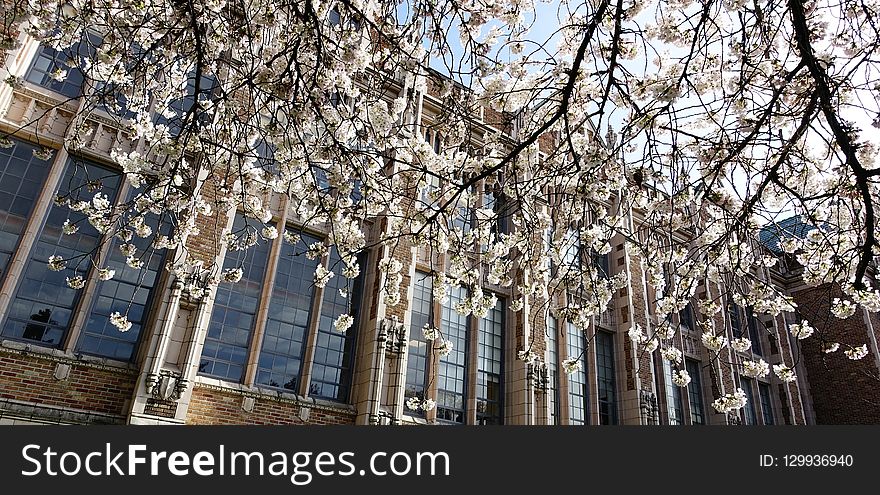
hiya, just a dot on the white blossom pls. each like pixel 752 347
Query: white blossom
pixel 756 369
pixel 713 342
pixel 120 321
pixel 232 275
pixel 856 353
pixel 681 378
pixel 76 282
pixel 784 373
pixel 106 273
pixel 741 344
pixel 343 322
pixel 56 263
pixel 571 365
pixel 801 330
pixel 445 348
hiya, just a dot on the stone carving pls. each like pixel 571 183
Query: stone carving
pixel 167 385
pixel 650 410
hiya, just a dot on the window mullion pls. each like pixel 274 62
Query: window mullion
pixel 250 372
pixel 312 335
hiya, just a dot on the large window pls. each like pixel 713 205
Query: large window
pixel 553 369
pixel 21 178
pixel 284 339
pixel 490 348
pixel 417 360
pixel 674 406
pixel 452 373
pixel 234 314
pixel 43 307
pixel 284 334
pixel 578 389
pixel 606 383
pixel 754 332
pixel 695 392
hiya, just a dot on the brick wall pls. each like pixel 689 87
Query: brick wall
pixel 88 387
pixel 209 406
pixel 843 391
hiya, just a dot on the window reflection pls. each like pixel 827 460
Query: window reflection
pixel 43 306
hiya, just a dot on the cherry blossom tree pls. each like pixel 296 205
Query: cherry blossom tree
pixel 686 129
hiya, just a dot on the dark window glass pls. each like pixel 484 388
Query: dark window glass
pixel 235 307
pixel 129 291
pixel 766 403
pixel 21 178
pixel 490 366
pixel 42 309
pixel 284 339
pixel 735 324
pixel 178 109
pixel 453 367
pixel 494 201
pixel 417 360
pixel 553 370
pixel 578 392
pixel 749 415
pixel 695 392
pixel 334 353
pixel 674 407
pixel 754 332
pixel 606 383
pixel 686 317
pixel 572 246
pixel 48 60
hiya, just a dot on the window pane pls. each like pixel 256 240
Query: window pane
pixel 417 350
pixel 284 340
pixel 453 367
pixel 695 392
pixel 553 370
pixel 674 408
pixel 48 60
pixel 43 306
pixel 606 380
pixel 749 414
pixel 490 366
pixel 235 307
pixel 578 392
pixel 766 403
pixel 22 176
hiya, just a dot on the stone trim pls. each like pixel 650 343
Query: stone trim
pixel 41 412
pixel 57 355
pixel 270 394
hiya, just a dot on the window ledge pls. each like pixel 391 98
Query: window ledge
pixel 271 394
pixel 58 355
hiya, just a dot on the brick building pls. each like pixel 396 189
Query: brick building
pixel 264 350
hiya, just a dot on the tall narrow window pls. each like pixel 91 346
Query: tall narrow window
pixel 235 307
pixel 129 292
pixel 572 248
pixel 332 366
pixel 452 371
pixel 417 360
pixel 686 317
pixel 749 414
pixel 578 393
pixel 606 383
pixel 553 370
pixel 21 177
pixel 42 309
pixel 766 403
pixel 754 332
pixel 490 348
pixel 674 407
pixel 290 304
pixel 695 392
pixel 735 322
